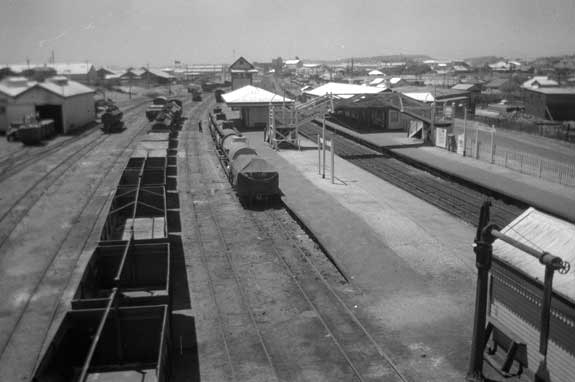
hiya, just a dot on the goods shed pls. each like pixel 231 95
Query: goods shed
pixel 69 103
pixel 254 105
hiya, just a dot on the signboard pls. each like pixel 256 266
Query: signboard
pixel 441 137
pixel 460 144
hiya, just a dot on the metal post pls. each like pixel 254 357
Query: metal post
pixel 332 148
pixel 318 154
pixel 476 142
pixel 483 255
pixel 492 142
pixel 323 147
pixel 540 167
pixel 464 130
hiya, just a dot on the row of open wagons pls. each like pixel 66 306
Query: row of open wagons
pixel 118 327
pixel 252 177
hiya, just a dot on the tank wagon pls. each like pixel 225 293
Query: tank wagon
pixel 251 176
pixel 118 325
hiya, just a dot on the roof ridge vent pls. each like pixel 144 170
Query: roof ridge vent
pixel 16 82
pixel 59 80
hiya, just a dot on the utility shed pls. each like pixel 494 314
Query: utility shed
pixel 254 103
pixel 69 103
pixel 516 292
pixel 554 103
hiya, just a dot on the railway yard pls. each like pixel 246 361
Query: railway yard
pixel 129 256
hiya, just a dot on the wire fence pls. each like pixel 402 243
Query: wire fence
pixel 547 169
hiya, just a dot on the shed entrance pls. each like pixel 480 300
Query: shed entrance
pixel 52 112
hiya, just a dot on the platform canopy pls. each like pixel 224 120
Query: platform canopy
pixel 343 90
pixel 546 233
pixel 250 95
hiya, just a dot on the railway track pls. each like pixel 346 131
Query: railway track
pixel 273 308
pixel 14 163
pixel 457 199
pixel 33 306
pixel 31 194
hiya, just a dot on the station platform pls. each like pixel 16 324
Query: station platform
pixel 410 265
pixel 553 198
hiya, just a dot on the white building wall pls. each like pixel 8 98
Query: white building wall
pixel 78 111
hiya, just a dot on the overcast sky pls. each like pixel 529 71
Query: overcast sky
pixel 157 32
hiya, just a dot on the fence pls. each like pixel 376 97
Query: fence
pixel 550 170
pixel 564 131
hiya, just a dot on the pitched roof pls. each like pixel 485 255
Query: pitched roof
pixel 158 73
pixel 426 94
pixel 292 62
pixel 14 86
pixel 375 72
pixel 250 94
pixel 343 90
pixel 61 86
pixel 377 81
pixel 241 65
pixel 392 100
pixel 545 233
pixel 539 81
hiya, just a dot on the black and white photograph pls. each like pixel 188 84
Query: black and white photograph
pixel 278 191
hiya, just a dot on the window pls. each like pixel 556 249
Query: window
pixel 393 116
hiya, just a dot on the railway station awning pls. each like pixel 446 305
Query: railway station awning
pixel 544 232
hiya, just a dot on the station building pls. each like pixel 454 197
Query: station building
pixel 254 103
pixel 69 103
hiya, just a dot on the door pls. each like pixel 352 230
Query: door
pixel 52 112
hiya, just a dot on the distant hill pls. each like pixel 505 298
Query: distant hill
pixel 377 59
pixel 483 60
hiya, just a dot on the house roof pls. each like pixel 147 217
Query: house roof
pixel 58 85
pixel 377 81
pixel 292 62
pixel 539 81
pixel 375 72
pixel 395 80
pixel 546 233
pixel 343 90
pixel 250 94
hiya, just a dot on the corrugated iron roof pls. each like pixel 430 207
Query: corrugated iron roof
pixel 343 90
pixel 250 94
pixel 375 72
pixel 546 233
pixel 14 86
pixel 541 80
pixel 377 81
